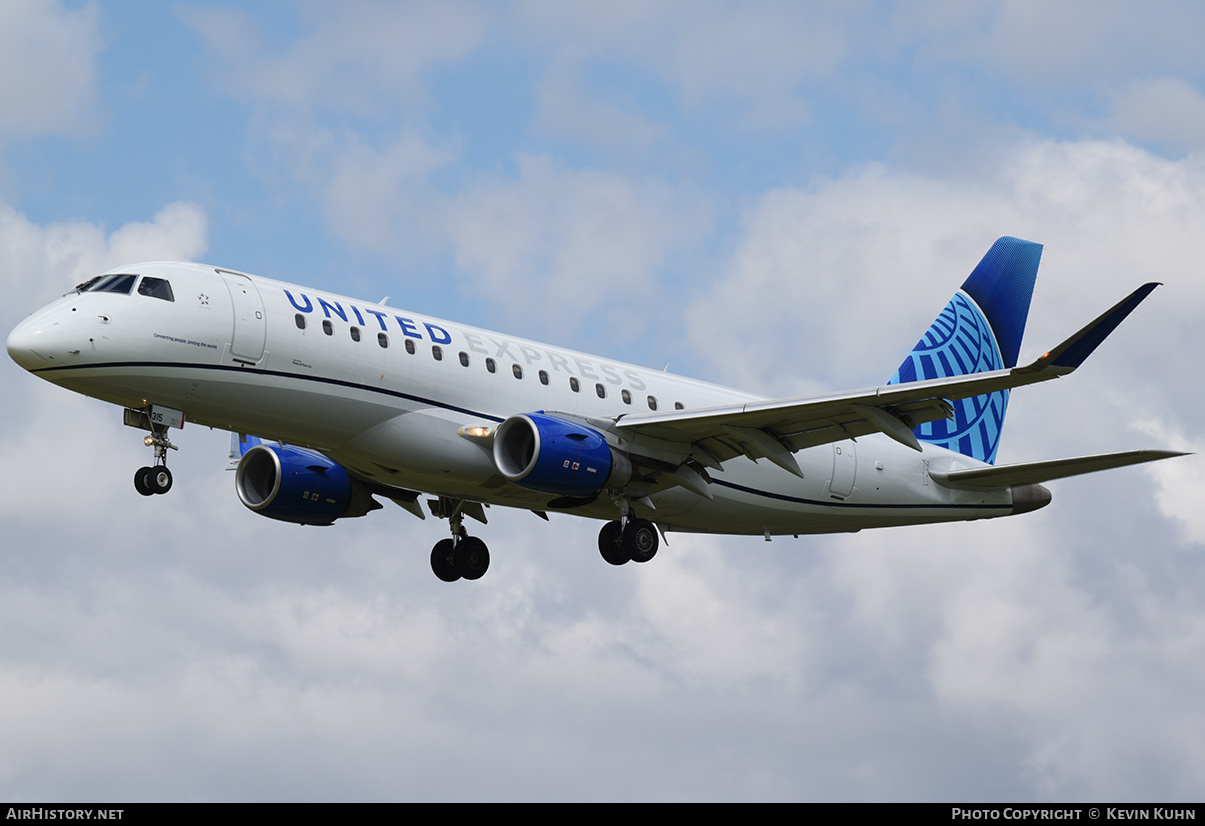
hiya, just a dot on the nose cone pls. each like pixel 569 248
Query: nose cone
pixel 23 342
pixel 44 339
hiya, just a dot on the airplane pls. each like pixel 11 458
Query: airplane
pixel 333 401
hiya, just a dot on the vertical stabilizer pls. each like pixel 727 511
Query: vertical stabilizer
pixel 979 330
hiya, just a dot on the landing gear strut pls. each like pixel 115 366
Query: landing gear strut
pixel 462 556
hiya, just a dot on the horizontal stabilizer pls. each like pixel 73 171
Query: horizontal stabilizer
pixel 1029 473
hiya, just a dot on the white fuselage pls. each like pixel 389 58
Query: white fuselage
pixel 384 392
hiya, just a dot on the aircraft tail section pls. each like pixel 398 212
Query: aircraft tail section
pixel 979 330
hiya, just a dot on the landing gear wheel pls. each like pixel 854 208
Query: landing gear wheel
pixel 159 479
pixel 141 481
pixel 610 543
pixel 640 540
pixel 471 558
pixel 442 563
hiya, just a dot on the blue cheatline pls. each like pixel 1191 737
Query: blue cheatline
pixel 979 330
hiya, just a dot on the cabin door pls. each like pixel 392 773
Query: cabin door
pixel 250 330
pixel 845 467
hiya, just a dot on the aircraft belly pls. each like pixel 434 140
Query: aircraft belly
pixel 242 400
pixel 421 449
pixel 892 488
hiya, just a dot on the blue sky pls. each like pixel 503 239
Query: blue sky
pixel 777 196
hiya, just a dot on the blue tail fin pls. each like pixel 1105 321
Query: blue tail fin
pixel 979 330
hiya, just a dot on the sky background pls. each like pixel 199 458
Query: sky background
pixel 775 196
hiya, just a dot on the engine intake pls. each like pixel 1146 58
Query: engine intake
pixel 557 456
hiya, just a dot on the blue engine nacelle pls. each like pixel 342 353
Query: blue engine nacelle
pixel 558 456
pixel 297 485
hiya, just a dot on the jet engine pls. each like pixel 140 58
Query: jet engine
pixel 557 456
pixel 297 485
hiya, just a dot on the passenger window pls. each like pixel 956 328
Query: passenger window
pixel 600 390
pixel 156 288
pixel 626 396
pixel 382 340
pixel 491 366
pixel 355 333
pixel 677 405
pixel 410 346
pixel 574 385
pixel 300 320
pixel 652 402
pixel 544 377
pixel 517 370
pixel 327 327
pixel 464 359
pixel 437 352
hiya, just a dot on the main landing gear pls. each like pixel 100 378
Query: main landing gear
pixel 462 556
pixel 636 542
pixel 628 538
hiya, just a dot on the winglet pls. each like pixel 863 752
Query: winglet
pixel 1072 352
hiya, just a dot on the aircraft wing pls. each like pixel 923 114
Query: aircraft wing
pixel 775 429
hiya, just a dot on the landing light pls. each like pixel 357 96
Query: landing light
pixel 149 441
pixel 477 433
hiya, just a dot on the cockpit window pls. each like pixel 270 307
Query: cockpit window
pixel 110 284
pixel 155 288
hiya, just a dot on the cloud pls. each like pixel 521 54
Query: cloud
pixel 567 111
pixel 382 198
pixel 1181 484
pixel 567 242
pixel 857 266
pixel 47 67
pixel 1052 48
pixel 1164 111
pixel 750 60
pixel 346 60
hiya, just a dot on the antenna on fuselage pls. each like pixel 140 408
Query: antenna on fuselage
pixel 384 301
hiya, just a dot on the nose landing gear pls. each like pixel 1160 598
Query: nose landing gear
pixel 155 479
pixel 151 480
